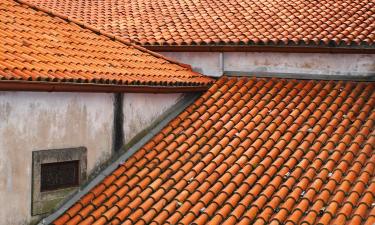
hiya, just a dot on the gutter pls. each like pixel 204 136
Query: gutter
pixel 261 48
pixel 370 77
pixel 90 87
pixel 175 111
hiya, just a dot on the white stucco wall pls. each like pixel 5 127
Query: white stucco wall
pixel 141 110
pixel 36 121
pixel 215 63
pixel 208 63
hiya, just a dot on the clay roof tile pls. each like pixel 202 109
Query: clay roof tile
pixel 230 178
pixel 237 22
pixel 39 48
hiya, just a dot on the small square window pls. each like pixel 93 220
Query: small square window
pixel 55 176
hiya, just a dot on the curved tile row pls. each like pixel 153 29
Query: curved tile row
pixel 222 22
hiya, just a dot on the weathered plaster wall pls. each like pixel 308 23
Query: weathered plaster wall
pixel 32 121
pixel 35 121
pixel 215 63
pixel 141 110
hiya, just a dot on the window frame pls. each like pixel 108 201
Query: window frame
pixel 45 201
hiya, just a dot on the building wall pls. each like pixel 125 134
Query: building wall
pixel 141 110
pixel 207 63
pixel 216 63
pixel 32 121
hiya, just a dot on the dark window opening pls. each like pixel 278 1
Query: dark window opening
pixel 59 175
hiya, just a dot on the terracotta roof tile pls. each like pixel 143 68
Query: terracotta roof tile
pixel 222 22
pixel 39 47
pixel 271 151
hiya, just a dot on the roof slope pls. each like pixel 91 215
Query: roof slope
pixel 36 46
pixel 250 150
pixel 227 22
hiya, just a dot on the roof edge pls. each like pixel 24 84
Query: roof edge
pixel 178 108
pixel 300 76
pixel 98 31
pixel 12 85
pixel 260 48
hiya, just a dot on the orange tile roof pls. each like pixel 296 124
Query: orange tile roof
pixel 250 151
pixel 227 22
pixel 36 46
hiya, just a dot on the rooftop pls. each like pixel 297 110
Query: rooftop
pixel 325 23
pixel 37 47
pixel 250 151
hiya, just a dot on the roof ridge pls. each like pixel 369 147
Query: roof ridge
pixel 96 30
